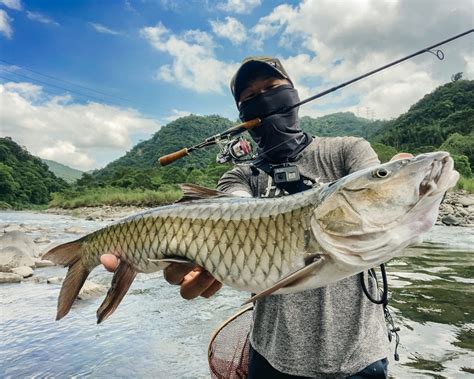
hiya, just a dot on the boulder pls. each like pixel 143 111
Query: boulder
pixel 23 271
pixel 12 228
pixel 8 277
pixel 90 290
pixel 12 256
pixel 450 220
pixel 466 201
pixel 21 241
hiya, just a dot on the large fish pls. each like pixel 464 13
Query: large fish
pixel 276 245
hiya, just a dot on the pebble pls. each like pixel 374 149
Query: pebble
pixel 54 280
pixel 42 240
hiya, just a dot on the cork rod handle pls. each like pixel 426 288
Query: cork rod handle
pixel 170 158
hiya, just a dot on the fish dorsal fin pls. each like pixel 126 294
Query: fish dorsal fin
pixel 194 192
pixel 287 281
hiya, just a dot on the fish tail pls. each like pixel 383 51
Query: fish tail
pixel 69 254
pixel 123 278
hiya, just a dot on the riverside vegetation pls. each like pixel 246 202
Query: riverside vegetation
pixel 441 120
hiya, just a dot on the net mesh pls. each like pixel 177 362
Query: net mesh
pixel 229 347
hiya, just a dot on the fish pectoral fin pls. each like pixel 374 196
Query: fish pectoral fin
pixel 194 192
pixel 287 281
pixel 123 278
pixel 183 261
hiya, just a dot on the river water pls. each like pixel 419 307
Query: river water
pixel 156 334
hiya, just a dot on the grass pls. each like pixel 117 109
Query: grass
pixel 92 197
pixel 466 184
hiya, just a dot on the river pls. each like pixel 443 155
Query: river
pixel 156 334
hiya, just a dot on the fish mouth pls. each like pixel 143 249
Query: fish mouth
pixel 439 177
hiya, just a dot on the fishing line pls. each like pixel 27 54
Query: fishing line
pixel 240 128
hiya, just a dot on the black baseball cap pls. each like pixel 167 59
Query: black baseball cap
pixel 252 67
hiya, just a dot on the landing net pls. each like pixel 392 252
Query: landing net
pixel 228 351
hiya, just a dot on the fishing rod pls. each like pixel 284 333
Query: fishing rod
pixel 236 148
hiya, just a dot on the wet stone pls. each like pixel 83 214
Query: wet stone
pixel 450 220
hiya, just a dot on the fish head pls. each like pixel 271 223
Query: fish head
pixel 374 213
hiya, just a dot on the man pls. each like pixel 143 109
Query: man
pixel 334 331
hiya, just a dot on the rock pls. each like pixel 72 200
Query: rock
pixel 11 257
pixel 41 240
pixel 466 201
pixel 450 220
pixel 90 290
pixel 40 263
pixel 23 271
pixel 75 230
pixel 12 228
pixel 21 241
pixel 54 280
pixel 7 277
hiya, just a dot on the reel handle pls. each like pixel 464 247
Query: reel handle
pixel 170 158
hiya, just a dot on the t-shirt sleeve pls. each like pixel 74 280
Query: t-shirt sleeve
pixel 358 154
pixel 234 180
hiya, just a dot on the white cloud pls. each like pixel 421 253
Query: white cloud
pixel 72 133
pixel 103 29
pixel 41 18
pixel 5 27
pixel 175 114
pixel 322 32
pixel 238 6
pixel 231 28
pixel 194 64
pixel 12 4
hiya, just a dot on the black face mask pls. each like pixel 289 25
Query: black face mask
pixel 279 137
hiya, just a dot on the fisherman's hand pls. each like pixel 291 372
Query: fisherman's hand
pixel 194 281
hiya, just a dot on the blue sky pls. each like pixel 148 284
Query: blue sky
pixel 82 81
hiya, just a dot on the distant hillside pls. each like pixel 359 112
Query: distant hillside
pixel 448 109
pixel 24 179
pixel 441 120
pixel 341 124
pixel 67 173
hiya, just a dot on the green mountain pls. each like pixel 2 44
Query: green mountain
pixel 24 179
pixel 441 120
pixel 341 124
pixel 67 173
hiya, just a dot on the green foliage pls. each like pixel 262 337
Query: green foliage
pixel 24 179
pixel 461 164
pixel 466 184
pixel 384 152
pixel 91 197
pixel 458 144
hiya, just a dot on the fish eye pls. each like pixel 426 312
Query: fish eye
pixel 380 173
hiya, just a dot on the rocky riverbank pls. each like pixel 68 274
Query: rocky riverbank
pixel 457 209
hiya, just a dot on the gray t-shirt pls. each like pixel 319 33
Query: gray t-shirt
pixel 333 331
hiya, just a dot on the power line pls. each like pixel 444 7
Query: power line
pixel 54 93
pixel 55 86
pixel 65 81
